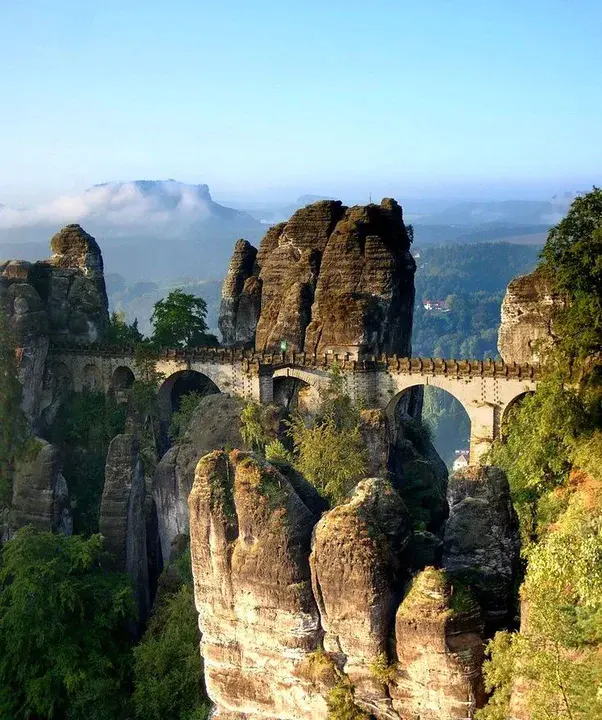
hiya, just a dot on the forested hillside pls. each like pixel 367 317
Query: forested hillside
pixel 471 280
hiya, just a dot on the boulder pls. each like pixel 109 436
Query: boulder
pixel 526 330
pixel 439 645
pixel 250 539
pixel 482 540
pixel 356 576
pixel 122 519
pixel 40 496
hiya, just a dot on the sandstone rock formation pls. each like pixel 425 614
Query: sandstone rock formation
pixel 439 647
pixel 40 496
pixel 58 300
pixel 526 330
pixel 215 424
pixel 241 298
pixel 482 540
pixel 356 576
pixel 250 540
pixel 330 279
pixel 123 516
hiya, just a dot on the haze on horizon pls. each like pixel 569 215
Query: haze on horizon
pixel 268 100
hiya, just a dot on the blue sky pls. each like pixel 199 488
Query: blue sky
pixel 256 97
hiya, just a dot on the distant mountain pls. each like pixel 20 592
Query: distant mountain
pixel 146 228
pixel 519 212
pixel 270 213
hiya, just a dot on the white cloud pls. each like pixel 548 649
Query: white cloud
pixel 119 205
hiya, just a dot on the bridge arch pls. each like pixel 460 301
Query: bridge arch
pixel 92 378
pixel 297 389
pixel 123 378
pixel 180 383
pixel 511 405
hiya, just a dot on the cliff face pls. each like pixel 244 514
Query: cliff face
pixel 62 299
pixel 292 605
pixel 526 330
pixel 330 279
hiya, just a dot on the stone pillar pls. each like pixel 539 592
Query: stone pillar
pixel 482 434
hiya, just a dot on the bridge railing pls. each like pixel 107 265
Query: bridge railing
pixel 346 361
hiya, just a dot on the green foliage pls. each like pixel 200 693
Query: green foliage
pixel 277 454
pixel 544 431
pixel 85 425
pixel 13 426
pixel 145 404
pixel 498 671
pixel 341 705
pixel 557 654
pixel 120 333
pixel 181 418
pixel 573 257
pixel 64 646
pixel 256 429
pixel 179 320
pixel 168 671
pixel 330 451
pixel 382 670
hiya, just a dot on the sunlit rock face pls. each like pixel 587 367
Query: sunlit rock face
pixel 250 537
pixel 526 330
pixel 332 278
pixel 440 646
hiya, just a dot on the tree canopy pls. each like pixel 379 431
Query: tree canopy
pixel 64 644
pixel 179 321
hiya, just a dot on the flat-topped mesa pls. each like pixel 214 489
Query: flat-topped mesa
pixel 526 330
pixel 331 279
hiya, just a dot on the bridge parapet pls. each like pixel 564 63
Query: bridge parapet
pixel 346 361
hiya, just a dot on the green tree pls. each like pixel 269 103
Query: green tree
pixel 330 451
pixel 13 427
pixel 168 669
pixel 64 645
pixel 122 334
pixel 572 256
pixel 179 321
pixel 85 425
pixel 181 418
pixel 145 404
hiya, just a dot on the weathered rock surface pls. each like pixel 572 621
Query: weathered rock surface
pixel 482 540
pixel 215 424
pixel 123 516
pixel 355 577
pixel 250 539
pixel 439 646
pixel 526 330
pixel 241 298
pixel 40 496
pixel 62 299
pixel 330 279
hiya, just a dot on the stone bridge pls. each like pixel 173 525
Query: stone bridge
pixel 485 388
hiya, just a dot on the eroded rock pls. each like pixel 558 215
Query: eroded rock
pixel 356 575
pixel 40 496
pixel 250 539
pixel 122 519
pixel 331 279
pixel 482 540
pixel 526 331
pixel 440 647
